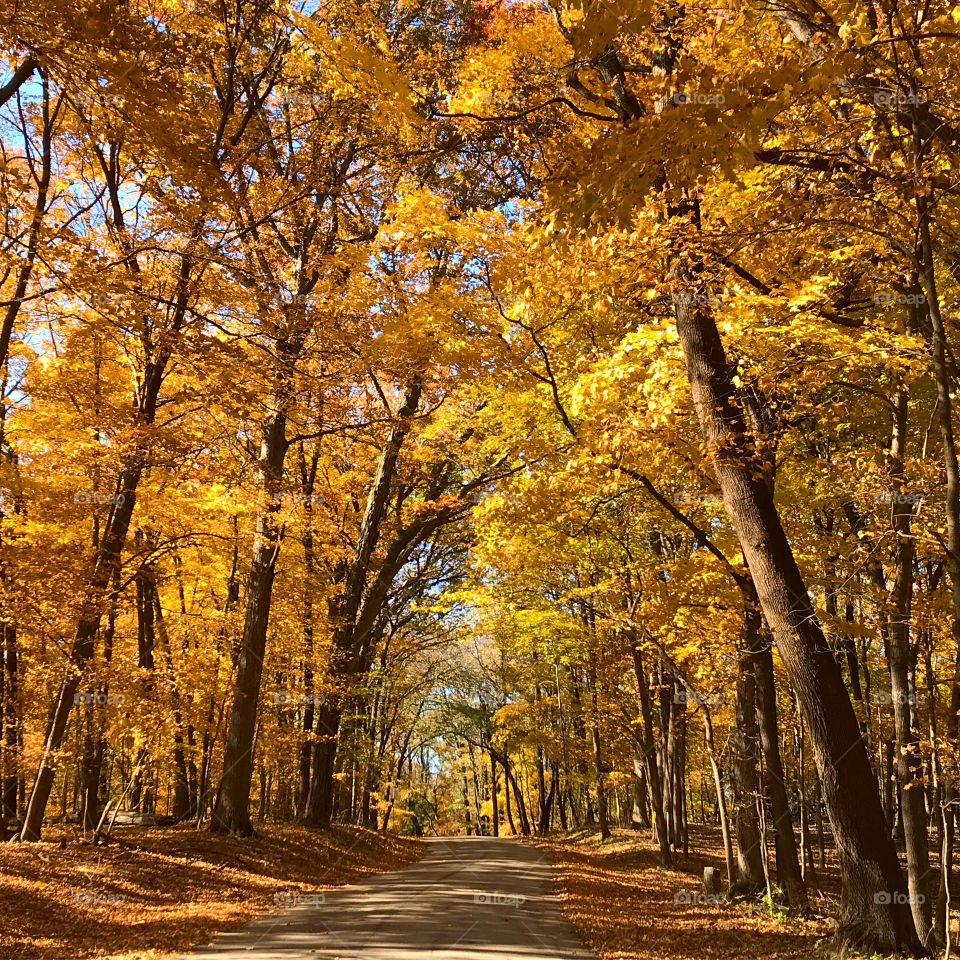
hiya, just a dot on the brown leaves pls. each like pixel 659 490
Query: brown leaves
pixel 161 891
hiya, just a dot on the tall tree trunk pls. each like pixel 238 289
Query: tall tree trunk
pixel 518 796
pixel 493 796
pixel 206 750
pixel 721 799
pixel 640 814
pixel 650 751
pixel 181 784
pixel 308 475
pixel 597 745
pixel 347 609
pixel 746 762
pixel 319 808
pixel 910 774
pixel 12 732
pixel 874 912
pixel 231 812
pixel 679 767
pixel 91 768
pixel 946 388
pixel 106 561
pixel 546 807
pixel 509 805
pixel 789 875
pixel 477 799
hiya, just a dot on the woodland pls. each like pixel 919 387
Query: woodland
pixel 494 416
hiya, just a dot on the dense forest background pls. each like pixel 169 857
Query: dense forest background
pixel 502 416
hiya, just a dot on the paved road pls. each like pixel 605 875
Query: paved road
pixel 470 898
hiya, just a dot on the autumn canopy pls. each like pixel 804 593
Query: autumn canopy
pixel 493 415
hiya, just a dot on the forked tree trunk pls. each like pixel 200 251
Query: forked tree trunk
pixel 346 608
pixel 946 388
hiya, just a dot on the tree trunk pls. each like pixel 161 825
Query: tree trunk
pixel 231 812
pixel 874 913
pixel 12 732
pixel 353 619
pixel 909 757
pixel 518 796
pixel 945 400
pixel 105 564
pixel 640 815
pixel 597 746
pixel 721 799
pixel 319 808
pixel 746 762
pixel 650 753
pixel 789 875
pixel 509 805
pixel 493 796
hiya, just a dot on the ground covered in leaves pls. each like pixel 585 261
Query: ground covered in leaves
pixel 152 892
pixel 627 907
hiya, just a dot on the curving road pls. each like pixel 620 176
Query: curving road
pixel 469 898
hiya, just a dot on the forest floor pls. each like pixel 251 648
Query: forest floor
pixel 152 892
pixel 625 906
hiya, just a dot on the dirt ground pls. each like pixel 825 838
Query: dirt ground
pixel 152 892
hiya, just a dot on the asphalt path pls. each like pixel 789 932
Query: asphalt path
pixel 469 898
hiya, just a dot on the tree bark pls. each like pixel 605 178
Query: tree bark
pixel 493 796
pixel 231 812
pixel 946 387
pixel 746 763
pixel 873 911
pixel 650 752
pixel 789 875
pixel 910 774
pixel 346 610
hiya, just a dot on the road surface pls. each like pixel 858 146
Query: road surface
pixel 469 898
